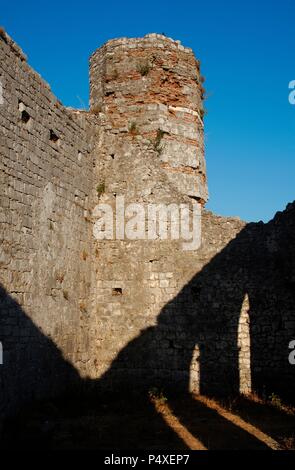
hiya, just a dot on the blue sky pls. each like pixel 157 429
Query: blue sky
pixel 246 50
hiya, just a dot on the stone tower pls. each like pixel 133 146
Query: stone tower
pixel 152 86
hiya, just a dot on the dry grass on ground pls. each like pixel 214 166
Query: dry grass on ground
pixel 154 422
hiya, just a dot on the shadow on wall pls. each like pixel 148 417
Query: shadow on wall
pixel 32 366
pixel 196 334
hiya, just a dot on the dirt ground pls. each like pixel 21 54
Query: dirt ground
pixel 152 422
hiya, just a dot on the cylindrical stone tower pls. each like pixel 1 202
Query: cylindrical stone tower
pixel 152 87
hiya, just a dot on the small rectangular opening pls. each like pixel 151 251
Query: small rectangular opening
pixel 53 137
pixel 25 117
pixel 117 291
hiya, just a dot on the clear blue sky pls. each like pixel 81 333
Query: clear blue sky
pixel 246 50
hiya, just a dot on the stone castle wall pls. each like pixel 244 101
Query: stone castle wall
pixel 129 313
pixel 46 180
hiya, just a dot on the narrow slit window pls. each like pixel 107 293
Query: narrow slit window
pixel 25 117
pixel 53 137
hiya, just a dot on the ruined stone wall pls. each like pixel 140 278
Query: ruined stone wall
pixel 165 316
pixel 139 281
pixel 46 180
pixel 216 321
pixel 129 313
